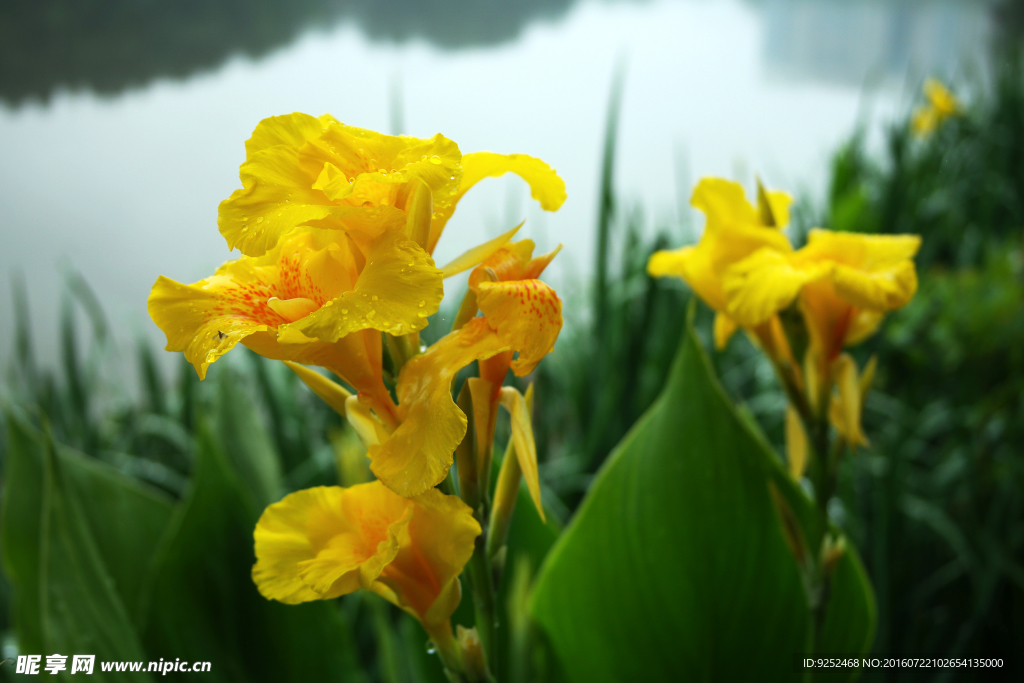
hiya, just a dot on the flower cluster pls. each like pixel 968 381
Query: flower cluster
pixel 802 307
pixel 337 226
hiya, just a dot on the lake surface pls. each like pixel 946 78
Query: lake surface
pixel 119 177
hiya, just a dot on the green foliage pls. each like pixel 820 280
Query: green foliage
pixel 680 539
pixel 936 504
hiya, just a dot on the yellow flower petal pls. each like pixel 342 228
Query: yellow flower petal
pixel 418 454
pixel 396 291
pixel 939 97
pixel 525 446
pixel 483 395
pixel 725 327
pixel 423 578
pixel 527 315
pixel 249 299
pixel 191 318
pixel 845 408
pixel 478 254
pixel 871 271
pixel 293 130
pixel 780 203
pixel 332 393
pixel 545 185
pixel 305 171
pixel 327 541
pixel 724 203
pixel 671 262
pixel 733 231
pixel 796 443
pixel 763 284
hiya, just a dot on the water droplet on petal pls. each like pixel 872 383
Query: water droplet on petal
pixel 344 310
pixel 260 219
pixel 375 297
pixel 422 303
pixel 435 159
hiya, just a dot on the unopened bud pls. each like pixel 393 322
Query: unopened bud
pixel 474 661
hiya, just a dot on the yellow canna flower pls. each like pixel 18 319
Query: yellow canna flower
pixel 941 105
pixel 846 283
pixel 310 300
pixel 301 170
pixel 734 230
pixel 328 541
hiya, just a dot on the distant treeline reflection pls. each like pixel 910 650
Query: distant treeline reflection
pixel 111 45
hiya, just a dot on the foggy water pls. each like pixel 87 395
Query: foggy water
pixel 125 187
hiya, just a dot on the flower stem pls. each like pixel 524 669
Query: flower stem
pixel 482 583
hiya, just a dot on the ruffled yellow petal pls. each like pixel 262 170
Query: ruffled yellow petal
pixel 870 271
pixel 527 315
pixel 327 541
pixel 734 230
pixel 545 185
pixel 525 446
pixel 725 204
pixel 293 130
pixel 423 578
pixel 671 262
pixel 249 299
pixel 395 293
pixel 763 284
pixel 418 454
pixel 194 322
pixel 305 171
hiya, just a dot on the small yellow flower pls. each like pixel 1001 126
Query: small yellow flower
pixel 941 105
pixel 302 170
pixel 734 230
pixel 328 541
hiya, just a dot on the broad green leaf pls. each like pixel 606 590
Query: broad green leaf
pixel 248 446
pixel 675 567
pixel 81 611
pixel 850 619
pixel 77 537
pixel 126 519
pixel 203 603
pixel 21 528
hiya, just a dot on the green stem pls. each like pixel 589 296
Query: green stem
pixel 482 583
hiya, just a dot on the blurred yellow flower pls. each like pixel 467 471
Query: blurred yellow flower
pixel 941 105
pixel 328 541
pixel 302 170
pixel 734 230
pixel 846 283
